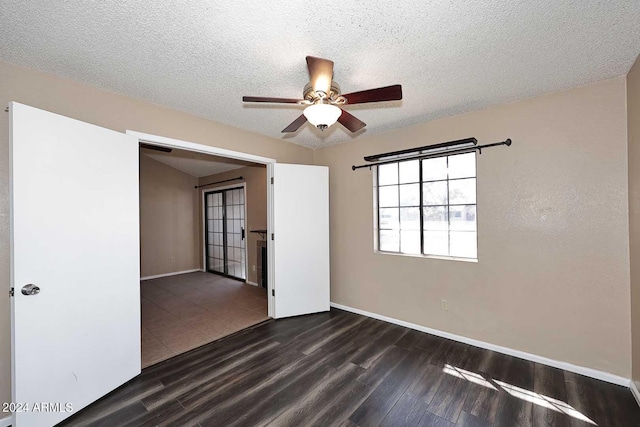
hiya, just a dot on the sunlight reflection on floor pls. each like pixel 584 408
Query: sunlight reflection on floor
pixel 520 393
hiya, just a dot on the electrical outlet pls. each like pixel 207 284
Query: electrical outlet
pixel 444 305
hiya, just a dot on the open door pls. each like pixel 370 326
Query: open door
pixel 74 263
pixel 301 240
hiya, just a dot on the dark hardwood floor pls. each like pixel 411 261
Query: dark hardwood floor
pixel 341 369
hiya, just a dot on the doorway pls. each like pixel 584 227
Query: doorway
pixel 225 232
pixel 269 164
pixel 195 210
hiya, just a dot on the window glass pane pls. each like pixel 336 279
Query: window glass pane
pixel 435 218
pixel 462 166
pixel 410 195
pixel 388 196
pixel 390 240
pixel 462 191
pixel 410 242
pixel 463 244
pixel 434 169
pixel 410 219
pixel 436 243
pixel 389 218
pixel 388 174
pixel 448 212
pixel 463 217
pixel 434 193
pixel 409 171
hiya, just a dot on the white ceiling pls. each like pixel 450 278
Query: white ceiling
pixel 195 164
pixel 201 56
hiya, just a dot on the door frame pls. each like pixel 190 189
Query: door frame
pixel 204 228
pixel 162 141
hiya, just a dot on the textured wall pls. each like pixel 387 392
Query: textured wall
pixel 255 178
pixel 168 219
pixel 112 111
pixel 553 271
pixel 633 126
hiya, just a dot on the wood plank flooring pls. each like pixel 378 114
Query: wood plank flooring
pixel 342 369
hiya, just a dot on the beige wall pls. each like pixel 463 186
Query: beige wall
pixel 553 271
pixel 116 112
pixel 633 126
pixel 255 178
pixel 169 226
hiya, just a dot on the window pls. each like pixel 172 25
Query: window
pixel 428 207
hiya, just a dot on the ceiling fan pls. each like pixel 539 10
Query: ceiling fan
pixel 323 99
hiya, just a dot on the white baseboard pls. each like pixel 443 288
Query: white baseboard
pixel 635 391
pixel 6 421
pixel 589 372
pixel 249 282
pixel 175 273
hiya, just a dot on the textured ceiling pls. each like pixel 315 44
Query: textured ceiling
pixel 201 56
pixel 195 164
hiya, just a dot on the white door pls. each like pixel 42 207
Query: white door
pixel 301 243
pixel 74 229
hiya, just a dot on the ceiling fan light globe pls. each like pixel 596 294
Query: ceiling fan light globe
pixel 322 114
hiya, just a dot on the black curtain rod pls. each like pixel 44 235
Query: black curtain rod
pixel 419 150
pixel 218 182
pixel 478 148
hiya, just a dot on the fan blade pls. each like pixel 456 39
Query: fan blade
pixel 295 125
pixel 387 93
pixel 320 73
pixel 274 100
pixel 351 122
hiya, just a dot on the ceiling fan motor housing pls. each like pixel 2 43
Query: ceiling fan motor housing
pixel 333 97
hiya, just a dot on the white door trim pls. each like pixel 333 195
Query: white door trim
pixel 162 141
pixel 243 184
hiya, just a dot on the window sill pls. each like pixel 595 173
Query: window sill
pixel 439 257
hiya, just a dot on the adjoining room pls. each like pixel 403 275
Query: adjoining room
pixel 202 226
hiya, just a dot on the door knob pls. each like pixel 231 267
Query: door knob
pixel 30 290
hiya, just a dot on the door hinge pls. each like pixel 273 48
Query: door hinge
pixel 273 292
pixel 11 292
pixel 272 180
pixel 273 236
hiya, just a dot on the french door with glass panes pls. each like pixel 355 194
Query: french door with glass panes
pixel 225 232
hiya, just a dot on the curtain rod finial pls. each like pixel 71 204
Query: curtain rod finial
pixel 508 142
